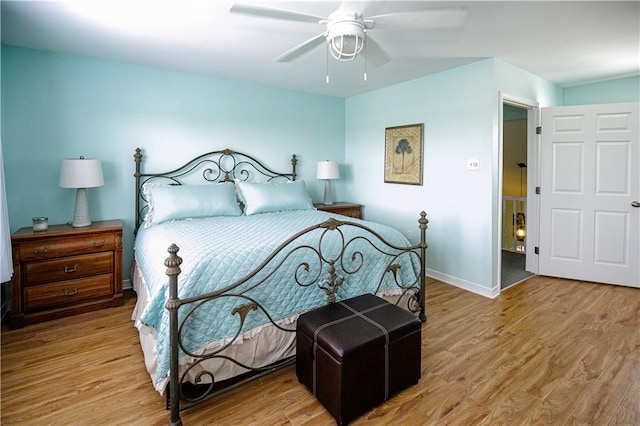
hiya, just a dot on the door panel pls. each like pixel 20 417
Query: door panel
pixel 566 234
pixel 590 161
pixel 611 238
pixel 612 168
pixel 568 173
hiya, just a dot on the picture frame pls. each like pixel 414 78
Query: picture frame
pixel 403 154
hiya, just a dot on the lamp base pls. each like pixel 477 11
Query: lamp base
pixel 81 213
pixel 327 193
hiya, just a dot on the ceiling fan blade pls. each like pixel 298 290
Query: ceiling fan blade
pixel 301 49
pixel 449 17
pixel 361 7
pixel 268 12
pixel 375 54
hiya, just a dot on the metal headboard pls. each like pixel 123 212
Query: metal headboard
pixel 216 166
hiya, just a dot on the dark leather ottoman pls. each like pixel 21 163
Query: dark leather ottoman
pixel 355 354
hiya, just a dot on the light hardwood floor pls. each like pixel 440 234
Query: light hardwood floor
pixel 547 351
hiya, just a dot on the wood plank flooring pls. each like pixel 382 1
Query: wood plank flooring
pixel 547 351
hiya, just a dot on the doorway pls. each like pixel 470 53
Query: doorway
pixel 514 196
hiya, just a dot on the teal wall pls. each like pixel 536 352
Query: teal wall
pixel 460 112
pixel 618 90
pixel 456 109
pixel 57 106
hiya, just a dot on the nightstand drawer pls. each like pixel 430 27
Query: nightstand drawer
pixel 68 268
pixel 67 292
pixel 350 212
pixel 52 248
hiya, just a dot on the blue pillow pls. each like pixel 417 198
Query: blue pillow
pixel 263 197
pixel 168 202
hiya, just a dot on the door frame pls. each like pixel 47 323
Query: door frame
pixel 533 180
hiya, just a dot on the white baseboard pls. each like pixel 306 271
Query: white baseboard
pixel 126 285
pixel 491 293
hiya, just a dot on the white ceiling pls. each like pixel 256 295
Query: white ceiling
pixel 567 43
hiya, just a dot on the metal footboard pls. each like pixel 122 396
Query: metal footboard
pixel 323 277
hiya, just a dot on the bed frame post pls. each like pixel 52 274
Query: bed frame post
pixel 294 162
pixel 173 263
pixel 423 263
pixel 138 159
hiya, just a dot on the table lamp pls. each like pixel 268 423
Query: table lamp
pixel 327 170
pixel 81 173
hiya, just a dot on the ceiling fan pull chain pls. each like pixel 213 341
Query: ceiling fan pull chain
pixel 327 76
pixel 365 57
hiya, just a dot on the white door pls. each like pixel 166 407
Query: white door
pixel 589 193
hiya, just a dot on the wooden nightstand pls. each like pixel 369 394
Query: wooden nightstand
pixel 345 209
pixel 65 271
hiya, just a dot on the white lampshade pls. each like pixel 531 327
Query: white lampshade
pixel 81 173
pixel 328 170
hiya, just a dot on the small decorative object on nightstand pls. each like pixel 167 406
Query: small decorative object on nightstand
pixel 345 209
pixel 65 271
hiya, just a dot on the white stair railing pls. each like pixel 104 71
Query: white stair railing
pixel 514 225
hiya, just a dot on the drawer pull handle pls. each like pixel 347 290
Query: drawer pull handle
pixel 97 243
pixel 44 249
pixel 72 292
pixel 69 270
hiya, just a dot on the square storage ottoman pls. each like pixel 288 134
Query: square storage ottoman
pixel 355 354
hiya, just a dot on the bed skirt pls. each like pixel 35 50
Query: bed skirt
pixel 257 349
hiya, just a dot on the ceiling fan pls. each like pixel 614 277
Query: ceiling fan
pixel 347 29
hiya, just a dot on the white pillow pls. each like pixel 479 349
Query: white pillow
pixel 263 197
pixel 168 202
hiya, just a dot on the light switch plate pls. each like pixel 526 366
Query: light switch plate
pixel 473 164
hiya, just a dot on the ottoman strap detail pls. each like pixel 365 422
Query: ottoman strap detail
pixel 386 343
pixel 339 320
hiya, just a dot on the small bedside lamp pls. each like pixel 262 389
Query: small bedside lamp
pixel 327 170
pixel 81 173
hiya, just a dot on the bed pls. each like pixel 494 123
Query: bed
pixel 228 253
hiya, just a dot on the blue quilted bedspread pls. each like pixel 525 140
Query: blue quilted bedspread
pixel 218 251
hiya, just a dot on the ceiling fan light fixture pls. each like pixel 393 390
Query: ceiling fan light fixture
pixel 346 40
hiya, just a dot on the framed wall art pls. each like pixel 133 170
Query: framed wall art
pixel 403 154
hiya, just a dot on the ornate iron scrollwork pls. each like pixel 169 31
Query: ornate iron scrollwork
pixel 347 257
pixel 331 283
pixel 215 166
pixel 243 310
